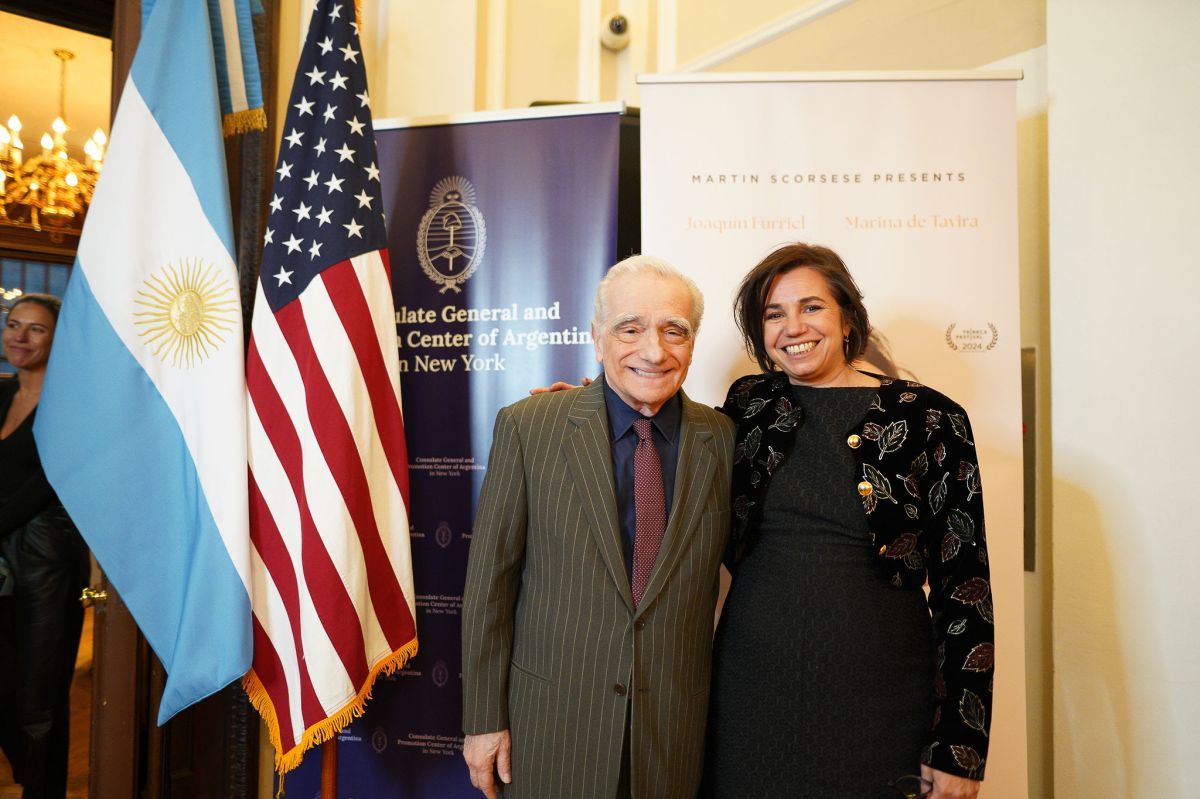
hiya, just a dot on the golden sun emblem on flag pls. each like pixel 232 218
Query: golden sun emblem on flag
pixel 187 311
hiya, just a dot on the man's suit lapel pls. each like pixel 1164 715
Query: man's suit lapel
pixel 693 475
pixel 589 453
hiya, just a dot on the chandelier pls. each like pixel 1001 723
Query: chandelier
pixel 50 190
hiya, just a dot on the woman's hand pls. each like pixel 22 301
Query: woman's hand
pixel 948 786
pixel 561 385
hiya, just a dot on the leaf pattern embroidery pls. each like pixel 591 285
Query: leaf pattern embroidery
pixel 902 546
pixel 957 627
pixel 970 473
pixel 970 707
pixel 912 483
pixel 881 485
pixel 950 547
pixel 937 494
pixel 966 758
pixel 876 405
pixel 973 591
pixel 981 658
pixel 753 439
pixel 932 417
pixel 939 454
pixel 788 420
pixel 959 423
pixel 910 510
pixel 753 407
pixel 893 436
pixel 741 506
pixel 872 431
pixel 907 396
pixel 985 611
pixel 773 459
pixel 743 391
pixel 961 524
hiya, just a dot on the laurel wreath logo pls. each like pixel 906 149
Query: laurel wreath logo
pixel 952 344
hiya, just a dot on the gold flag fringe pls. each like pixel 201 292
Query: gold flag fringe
pixel 323 730
pixel 242 121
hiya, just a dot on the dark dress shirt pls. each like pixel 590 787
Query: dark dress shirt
pixel 624 441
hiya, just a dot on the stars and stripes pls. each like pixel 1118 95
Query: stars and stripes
pixel 331 568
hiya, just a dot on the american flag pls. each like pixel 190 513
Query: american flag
pixel 331 566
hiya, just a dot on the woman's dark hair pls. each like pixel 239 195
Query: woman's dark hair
pixel 751 299
pixel 47 301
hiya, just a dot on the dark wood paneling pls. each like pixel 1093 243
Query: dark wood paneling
pixel 117 684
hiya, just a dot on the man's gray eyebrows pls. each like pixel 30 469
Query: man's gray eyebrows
pixel 680 322
pixel 624 318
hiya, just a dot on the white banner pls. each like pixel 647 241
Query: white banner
pixel 913 183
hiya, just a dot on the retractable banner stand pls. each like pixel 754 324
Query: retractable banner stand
pixel 499 228
pixel 912 180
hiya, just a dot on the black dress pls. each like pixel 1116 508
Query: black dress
pixel 40 621
pixel 823 672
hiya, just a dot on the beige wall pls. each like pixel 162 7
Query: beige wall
pixel 1123 133
pixel 895 34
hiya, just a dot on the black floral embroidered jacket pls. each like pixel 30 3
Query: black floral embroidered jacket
pixel 920 489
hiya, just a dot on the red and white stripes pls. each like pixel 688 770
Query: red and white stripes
pixel 331 568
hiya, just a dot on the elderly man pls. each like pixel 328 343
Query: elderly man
pixel 592 579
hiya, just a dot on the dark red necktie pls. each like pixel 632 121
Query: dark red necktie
pixel 650 512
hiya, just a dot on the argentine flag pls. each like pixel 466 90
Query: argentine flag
pixel 141 426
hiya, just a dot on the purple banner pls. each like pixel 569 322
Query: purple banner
pixel 498 233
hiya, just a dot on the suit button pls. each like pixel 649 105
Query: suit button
pixel 865 489
pixel 883 550
pixel 619 689
pixel 640 624
pixel 854 442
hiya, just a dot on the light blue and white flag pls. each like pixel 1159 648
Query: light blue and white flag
pixel 141 425
pixel 236 56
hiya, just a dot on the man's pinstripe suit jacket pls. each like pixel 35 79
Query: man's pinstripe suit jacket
pixel 553 647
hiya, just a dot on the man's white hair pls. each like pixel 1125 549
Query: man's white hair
pixel 647 265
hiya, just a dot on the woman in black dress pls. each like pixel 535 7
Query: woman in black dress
pixel 40 615
pixel 833 675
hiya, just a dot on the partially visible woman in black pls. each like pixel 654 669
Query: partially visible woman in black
pixel 40 618
pixel 833 676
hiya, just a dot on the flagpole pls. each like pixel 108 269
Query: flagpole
pixel 329 749
pixel 329 763
pixel 329 753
